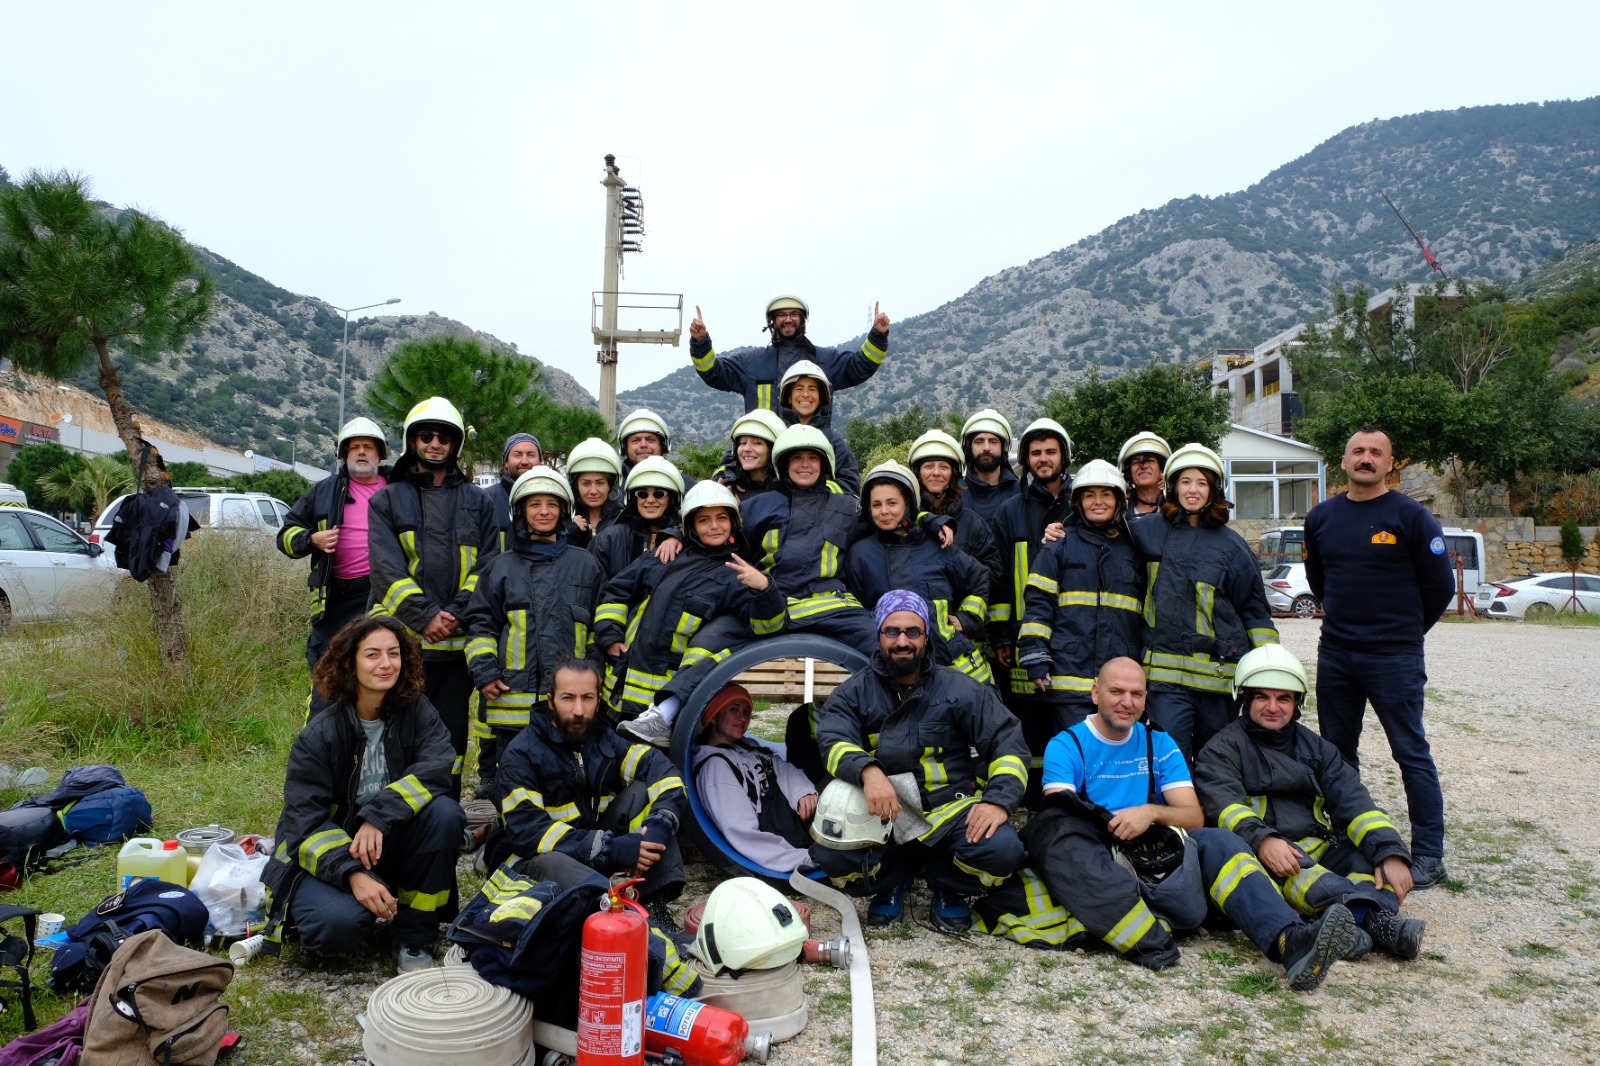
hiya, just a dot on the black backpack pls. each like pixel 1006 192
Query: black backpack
pixel 144 904
pixel 16 953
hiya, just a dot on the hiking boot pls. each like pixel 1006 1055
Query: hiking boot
pixel 1310 948
pixel 888 906
pixel 649 728
pixel 412 958
pixel 1427 871
pixel 1394 935
pixel 951 913
pixel 1360 949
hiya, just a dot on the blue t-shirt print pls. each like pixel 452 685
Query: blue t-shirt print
pixel 1117 775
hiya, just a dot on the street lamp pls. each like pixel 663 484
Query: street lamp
pixel 344 356
pixel 290 443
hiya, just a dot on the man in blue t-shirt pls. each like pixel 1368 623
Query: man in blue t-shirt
pixel 1377 561
pixel 1107 782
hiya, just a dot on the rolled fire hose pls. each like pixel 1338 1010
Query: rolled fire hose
pixel 863 1019
pixel 445 1016
pixel 771 1001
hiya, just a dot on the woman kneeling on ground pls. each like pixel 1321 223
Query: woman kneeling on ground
pixel 760 802
pixel 369 833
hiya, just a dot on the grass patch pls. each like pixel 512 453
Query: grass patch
pixel 1253 983
pixel 1222 957
pixel 1535 950
pixel 985 980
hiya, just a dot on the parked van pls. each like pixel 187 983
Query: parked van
pixel 1278 547
pixel 11 496
pixel 215 508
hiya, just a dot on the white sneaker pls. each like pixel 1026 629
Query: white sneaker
pixel 649 728
pixel 411 959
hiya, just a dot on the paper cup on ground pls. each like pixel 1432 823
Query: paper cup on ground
pixel 50 924
pixel 242 951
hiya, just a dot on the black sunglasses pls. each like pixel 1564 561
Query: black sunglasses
pixel 651 494
pixel 895 632
pixel 428 436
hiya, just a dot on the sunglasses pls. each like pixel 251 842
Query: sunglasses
pixel 650 494
pixel 895 632
pixel 428 436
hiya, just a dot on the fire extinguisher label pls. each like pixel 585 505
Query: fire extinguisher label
pixel 633 1028
pixel 603 988
pixel 672 1015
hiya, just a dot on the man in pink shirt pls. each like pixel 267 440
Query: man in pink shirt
pixel 329 524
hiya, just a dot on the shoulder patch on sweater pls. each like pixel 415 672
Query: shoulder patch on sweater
pixel 1436 545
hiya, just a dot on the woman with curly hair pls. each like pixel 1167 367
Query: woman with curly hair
pixel 369 831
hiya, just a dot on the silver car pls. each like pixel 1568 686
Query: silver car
pixel 1540 596
pixel 47 570
pixel 1288 592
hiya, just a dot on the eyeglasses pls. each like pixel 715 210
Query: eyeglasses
pixel 428 436
pixel 788 313
pixel 650 494
pixel 895 632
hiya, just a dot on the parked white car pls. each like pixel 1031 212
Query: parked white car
pixel 215 508
pixel 1539 596
pixel 1288 592
pixel 47 570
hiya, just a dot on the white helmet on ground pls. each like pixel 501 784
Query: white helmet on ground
pixel 842 820
pixel 362 427
pixel 644 420
pixel 749 925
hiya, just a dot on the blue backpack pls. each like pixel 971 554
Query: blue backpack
pixel 144 904
pixel 96 805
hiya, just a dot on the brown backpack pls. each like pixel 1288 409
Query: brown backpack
pixel 157 1003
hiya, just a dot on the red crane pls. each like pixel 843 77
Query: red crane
pixel 1427 253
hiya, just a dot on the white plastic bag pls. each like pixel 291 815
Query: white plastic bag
pixel 229 884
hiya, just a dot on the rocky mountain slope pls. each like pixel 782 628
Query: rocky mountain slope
pixel 1497 190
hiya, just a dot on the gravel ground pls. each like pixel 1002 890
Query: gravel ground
pixel 1510 969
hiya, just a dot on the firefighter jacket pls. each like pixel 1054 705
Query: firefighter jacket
pixel 427 544
pixel 1019 528
pixel 950 580
pixel 1084 606
pixel 1204 606
pixel 800 537
pixel 932 730
pixel 742 485
pixel 584 538
pixel 320 816
pixel 985 498
pixel 1291 783
pixel 974 534
pixel 755 374
pixel 534 606
pixel 628 539
pixel 499 495
pixel 321 507
pixel 557 791
pixel 656 611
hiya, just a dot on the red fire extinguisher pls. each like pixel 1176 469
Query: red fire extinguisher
pixel 704 1035
pixel 611 982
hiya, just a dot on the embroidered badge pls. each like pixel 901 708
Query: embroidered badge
pixel 1436 545
pixel 1384 537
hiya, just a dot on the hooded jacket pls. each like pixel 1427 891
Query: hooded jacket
pixel 930 730
pixel 534 606
pixel 583 538
pixel 556 792
pixel 1291 783
pixel 755 374
pixel 985 499
pixel 320 816
pixel 320 507
pixel 800 537
pixel 1204 606
pixel 1084 605
pixel 427 544
pixel 628 539
pixel 974 533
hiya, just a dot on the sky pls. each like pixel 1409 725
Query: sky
pixel 852 154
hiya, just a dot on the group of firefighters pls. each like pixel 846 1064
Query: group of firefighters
pixel 1095 648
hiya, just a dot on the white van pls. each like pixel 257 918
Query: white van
pixel 11 496
pixel 1287 545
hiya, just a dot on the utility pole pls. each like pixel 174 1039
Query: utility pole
pixel 624 234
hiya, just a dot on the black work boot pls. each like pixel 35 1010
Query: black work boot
pixel 1308 949
pixel 1394 935
pixel 1362 947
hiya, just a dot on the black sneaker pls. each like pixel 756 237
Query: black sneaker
pixel 1310 948
pixel 1427 871
pixel 951 913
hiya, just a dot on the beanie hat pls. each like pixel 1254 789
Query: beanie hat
pixel 729 695
pixel 516 439
pixel 901 600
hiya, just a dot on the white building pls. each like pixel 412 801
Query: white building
pixel 1270 476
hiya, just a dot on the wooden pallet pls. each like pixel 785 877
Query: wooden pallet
pixel 784 680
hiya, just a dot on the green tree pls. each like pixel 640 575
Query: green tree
pixel 698 461
pixel 497 394
pixel 76 286
pixel 191 473
pixel 1167 398
pixel 870 436
pixel 87 486
pixel 33 463
pixel 286 485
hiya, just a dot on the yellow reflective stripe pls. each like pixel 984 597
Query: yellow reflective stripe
pixel 1298 887
pixel 580 639
pixel 771 541
pixel 764 627
pixel 286 538
pixel 1009 764
pixel 703 655
pixel 987 879
pixel 1151 570
pixel 837 753
pixel 678 978
pixel 1366 823
pixel 976 667
pixel 1205 601
pixel 504 885
pixel 1069 683
pixel 764 395
pixel 408 544
pixel 683 631
pixel 934 774
pixel 830 559
pixel 662 787
pixel 612 612
pixel 873 352
pixel 517 640
pixel 1019 577
pixel 317 845
pixel 1134 926
pixel 412 791
pixel 1313 846
pixel 820 603
pixel 478 647
pixel 1259 637
pixel 455 767
pixel 469 560
pixel 1194 671
pixel 422 901
pixel 705 362
pixel 1037 580
pixel 1233 816
pixel 522 907
pixel 1034 629
pixel 399 592
pixel 974 606
pixel 552 837
pixel 1233 871
pixel 454 643
pixel 943 814
pixel 631 760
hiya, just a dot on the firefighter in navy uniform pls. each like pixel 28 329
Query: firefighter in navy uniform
pixel 431 531
pixel 800 533
pixel 652 493
pixel 316 526
pixel 594 473
pixel 986 449
pixel 534 607
pixel 750 442
pixel 521 454
pixel 1143 459
pixel 1302 809
pixel 935 459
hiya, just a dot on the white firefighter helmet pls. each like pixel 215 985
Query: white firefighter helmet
pixel 1270 666
pixel 708 494
pixel 987 420
pixel 1101 474
pixel 802 438
pixel 1144 443
pixel 1195 457
pixel 644 420
pixel 1045 427
pixel 893 473
pixel 842 820
pixel 362 427
pixel 805 368
pixel 760 423
pixel 653 470
pixel 439 410
pixel 593 456
pixel 935 444
pixel 540 481
pixel 784 303
pixel 749 925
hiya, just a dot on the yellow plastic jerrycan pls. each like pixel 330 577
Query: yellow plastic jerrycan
pixel 165 860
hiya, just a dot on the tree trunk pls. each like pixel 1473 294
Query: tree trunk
pixel 164 601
